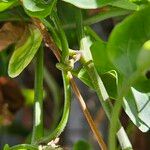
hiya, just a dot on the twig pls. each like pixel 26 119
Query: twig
pixel 87 114
pixel 47 38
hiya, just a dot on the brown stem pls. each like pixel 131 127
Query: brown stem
pixel 47 38
pixel 87 114
pixel 50 43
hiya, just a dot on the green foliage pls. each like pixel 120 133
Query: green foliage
pixel 129 56
pixel 125 4
pixel 40 9
pixel 24 52
pixel 5 4
pixel 80 145
pixel 123 48
pixel 89 4
pixel 118 69
pixel 136 105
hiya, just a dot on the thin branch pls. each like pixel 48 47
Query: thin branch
pixel 47 38
pixel 87 114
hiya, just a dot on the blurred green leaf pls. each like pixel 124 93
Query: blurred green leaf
pixel 5 4
pixel 29 96
pixel 82 145
pixel 136 105
pixel 6 147
pixel 86 4
pixel 143 58
pixel 105 68
pixel 100 57
pixel 40 9
pixel 125 4
pixel 24 52
pixel 129 53
pixel 126 40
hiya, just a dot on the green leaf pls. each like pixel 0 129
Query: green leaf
pixel 5 4
pixel 40 9
pixel 24 53
pixel 143 64
pixel 136 105
pixel 105 68
pixel 80 145
pixel 100 57
pixel 143 59
pixel 6 147
pixel 89 4
pixel 110 80
pixel 84 77
pixel 126 40
pixel 125 4
pixel 140 1
pixel 129 56
pixel 29 96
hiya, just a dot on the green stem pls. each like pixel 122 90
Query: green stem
pixel 61 126
pixel 53 32
pixel 64 42
pixel 116 111
pixel 38 104
pixel 24 146
pixel 67 90
pixel 99 86
pixel 113 12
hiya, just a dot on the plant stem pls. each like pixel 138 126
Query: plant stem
pixel 97 81
pixel 64 42
pixel 87 115
pixel 38 104
pixel 24 146
pixel 61 126
pixel 48 40
pixel 113 12
pixel 107 106
pixel 80 33
pixel 116 111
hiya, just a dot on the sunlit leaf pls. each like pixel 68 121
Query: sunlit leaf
pixel 136 105
pixel 24 52
pixel 39 9
pixel 126 40
pixel 125 4
pixel 129 53
pixel 89 4
pixel 5 4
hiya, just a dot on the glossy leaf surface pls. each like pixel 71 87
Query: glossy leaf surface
pixel 5 4
pixel 39 9
pixel 25 52
pixel 136 105
pixel 86 4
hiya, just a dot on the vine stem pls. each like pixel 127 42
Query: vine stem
pixel 38 98
pixel 87 114
pixel 24 146
pixel 97 82
pixel 116 111
pixel 49 42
